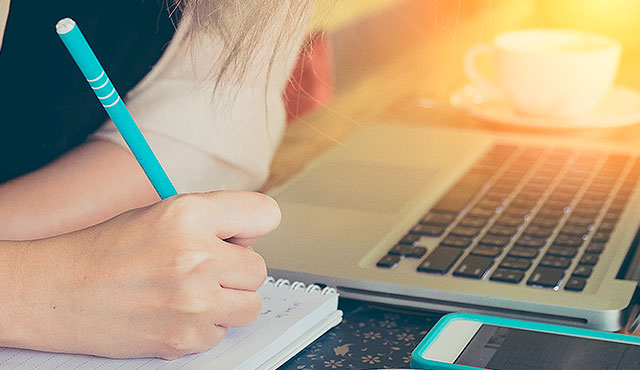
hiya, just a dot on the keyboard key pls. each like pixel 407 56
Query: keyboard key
pixel 484 169
pixel 575 284
pixel 465 231
pixel 461 193
pixel 578 172
pixel 481 212
pixel 553 207
pixel 617 159
pixel 604 181
pixel 569 185
pixel 495 195
pixel 488 203
pixel 498 241
pixel 507 220
pixel 595 196
pixel 546 277
pixel 473 222
pixel 456 241
pixel 523 252
pixel 438 218
pixel 410 239
pixel 620 201
pixel 503 186
pixel 611 217
pixel 562 251
pixel 507 276
pixel 541 180
pixel 538 231
pixel 598 189
pixel 580 220
pixel 564 198
pixel 595 247
pixel 576 230
pixel 592 204
pixel 473 267
pixel 555 214
pixel 487 251
pixel 544 171
pixel 511 176
pixel 501 151
pixel 554 261
pixel 622 197
pixel 545 222
pixel 582 271
pixel 523 203
pixel 516 212
pixel 399 249
pixel 501 230
pixel 415 252
pixel 440 260
pixel 589 259
pixel 606 226
pixel 428 230
pixel 529 241
pixel 628 185
pixel 568 240
pixel 516 263
pixel 601 236
pixel 617 207
pixel 531 193
pixel 559 154
pixel 589 215
pixel 388 261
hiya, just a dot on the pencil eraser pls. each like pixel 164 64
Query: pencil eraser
pixel 65 25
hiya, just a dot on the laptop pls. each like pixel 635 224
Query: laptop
pixel 452 220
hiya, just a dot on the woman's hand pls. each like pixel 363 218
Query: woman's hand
pixel 163 281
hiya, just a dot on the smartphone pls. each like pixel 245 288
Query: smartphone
pixel 464 341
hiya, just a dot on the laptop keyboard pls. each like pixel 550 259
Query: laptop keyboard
pixel 524 214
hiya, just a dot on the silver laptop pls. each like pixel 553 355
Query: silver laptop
pixel 451 220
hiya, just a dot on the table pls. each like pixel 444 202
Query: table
pixel 369 336
pixel 412 87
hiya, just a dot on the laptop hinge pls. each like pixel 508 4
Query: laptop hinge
pixel 448 306
pixel 630 268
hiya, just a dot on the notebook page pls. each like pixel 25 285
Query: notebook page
pixel 286 315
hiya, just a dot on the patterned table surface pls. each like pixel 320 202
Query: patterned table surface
pixel 369 336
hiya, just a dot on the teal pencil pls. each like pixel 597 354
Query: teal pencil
pixel 110 99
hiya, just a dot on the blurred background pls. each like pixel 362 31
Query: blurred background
pixel 368 34
pixel 401 60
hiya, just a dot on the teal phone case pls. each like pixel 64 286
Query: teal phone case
pixel 418 362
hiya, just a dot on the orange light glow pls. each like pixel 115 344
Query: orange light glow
pixel 616 18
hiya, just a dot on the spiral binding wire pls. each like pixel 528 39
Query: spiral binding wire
pixel 298 285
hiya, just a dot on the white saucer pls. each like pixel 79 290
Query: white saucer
pixel 620 107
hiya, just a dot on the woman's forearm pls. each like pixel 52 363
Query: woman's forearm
pixel 88 185
pixel 28 293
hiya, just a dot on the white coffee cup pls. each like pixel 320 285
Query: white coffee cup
pixel 548 72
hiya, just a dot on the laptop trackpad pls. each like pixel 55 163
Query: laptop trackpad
pixel 358 185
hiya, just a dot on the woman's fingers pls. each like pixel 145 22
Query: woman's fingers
pixel 236 267
pixel 230 214
pixel 238 308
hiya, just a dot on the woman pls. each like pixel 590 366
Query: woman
pixel 163 278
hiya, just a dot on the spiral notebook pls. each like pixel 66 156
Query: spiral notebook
pixel 293 315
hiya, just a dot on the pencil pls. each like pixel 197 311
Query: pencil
pixel 90 67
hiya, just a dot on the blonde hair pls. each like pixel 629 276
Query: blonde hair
pixel 243 26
